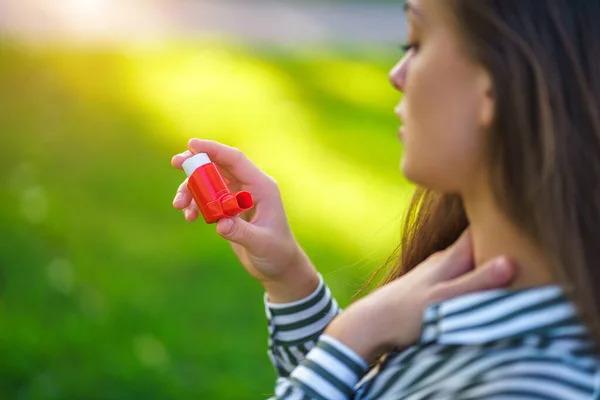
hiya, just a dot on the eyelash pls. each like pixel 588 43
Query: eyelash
pixel 409 46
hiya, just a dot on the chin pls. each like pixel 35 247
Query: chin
pixel 407 171
pixel 416 175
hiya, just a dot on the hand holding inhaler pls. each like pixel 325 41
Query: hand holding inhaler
pixel 261 238
pixel 210 191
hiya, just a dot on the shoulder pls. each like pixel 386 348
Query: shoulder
pixel 530 373
pixel 503 370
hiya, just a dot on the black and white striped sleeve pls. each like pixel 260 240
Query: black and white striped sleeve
pixel 294 328
pixel 330 371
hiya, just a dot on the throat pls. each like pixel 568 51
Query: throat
pixel 493 235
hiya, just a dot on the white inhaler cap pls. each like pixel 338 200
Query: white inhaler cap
pixel 193 163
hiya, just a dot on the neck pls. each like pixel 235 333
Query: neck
pixel 494 235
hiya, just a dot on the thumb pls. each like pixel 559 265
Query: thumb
pixel 494 274
pixel 238 231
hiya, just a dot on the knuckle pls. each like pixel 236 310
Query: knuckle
pixel 237 155
pixel 438 292
pixel 196 146
pixel 436 257
pixel 272 182
pixel 245 235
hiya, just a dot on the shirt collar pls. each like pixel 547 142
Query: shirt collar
pixel 488 316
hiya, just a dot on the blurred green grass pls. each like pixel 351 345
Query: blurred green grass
pixel 105 291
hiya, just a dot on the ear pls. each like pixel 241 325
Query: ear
pixel 487 98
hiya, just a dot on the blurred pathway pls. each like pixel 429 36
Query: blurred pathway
pixel 273 22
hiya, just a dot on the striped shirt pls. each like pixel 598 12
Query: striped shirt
pixel 492 345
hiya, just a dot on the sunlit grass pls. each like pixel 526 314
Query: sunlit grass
pixel 226 94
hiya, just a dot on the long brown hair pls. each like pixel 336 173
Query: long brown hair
pixel 544 146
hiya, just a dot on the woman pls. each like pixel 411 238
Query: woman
pixel 502 135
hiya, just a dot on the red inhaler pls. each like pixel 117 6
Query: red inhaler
pixel 210 191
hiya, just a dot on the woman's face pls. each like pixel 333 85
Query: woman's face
pixel 447 105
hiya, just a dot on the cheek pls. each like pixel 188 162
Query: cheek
pixel 442 142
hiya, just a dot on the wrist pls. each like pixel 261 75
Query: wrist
pixel 361 329
pixel 300 281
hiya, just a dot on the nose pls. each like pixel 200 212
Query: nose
pixel 399 72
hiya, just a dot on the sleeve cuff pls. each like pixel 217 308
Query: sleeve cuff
pixel 303 320
pixel 331 370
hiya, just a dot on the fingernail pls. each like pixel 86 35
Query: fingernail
pixel 501 268
pixel 192 142
pixel 178 197
pixel 227 226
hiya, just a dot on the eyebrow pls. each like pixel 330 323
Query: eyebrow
pixel 410 7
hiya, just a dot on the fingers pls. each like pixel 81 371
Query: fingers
pixel 232 159
pixel 183 197
pixel 463 240
pixel 191 212
pixel 459 258
pixel 238 231
pixel 492 275
pixel 178 159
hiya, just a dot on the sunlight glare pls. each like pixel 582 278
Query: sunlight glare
pixel 87 15
pixel 226 95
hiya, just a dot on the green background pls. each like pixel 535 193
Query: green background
pixel 105 291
